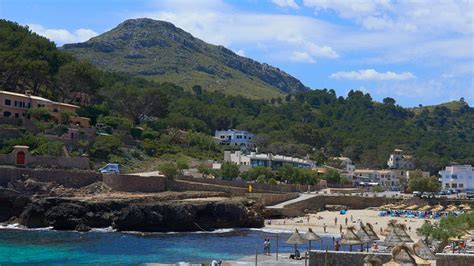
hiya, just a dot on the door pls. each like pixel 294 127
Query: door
pixel 20 158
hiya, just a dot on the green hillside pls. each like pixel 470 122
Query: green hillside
pixel 179 121
pixel 159 51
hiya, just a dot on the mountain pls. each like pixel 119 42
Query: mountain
pixel 158 50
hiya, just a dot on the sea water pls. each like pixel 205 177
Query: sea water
pixel 34 247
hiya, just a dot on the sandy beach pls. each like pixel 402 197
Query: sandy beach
pixel 317 221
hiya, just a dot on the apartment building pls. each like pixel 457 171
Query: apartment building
pixel 457 176
pixel 16 105
pixel 251 160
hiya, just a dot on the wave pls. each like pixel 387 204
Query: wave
pixel 103 230
pixel 289 231
pixel 217 231
pixel 17 226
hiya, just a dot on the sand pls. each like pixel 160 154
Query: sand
pixel 317 221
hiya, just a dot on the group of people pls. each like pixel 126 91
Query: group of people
pixel 266 246
pixel 415 214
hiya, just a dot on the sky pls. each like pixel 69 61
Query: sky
pixel 417 52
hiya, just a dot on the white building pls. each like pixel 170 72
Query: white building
pixel 247 161
pixel 390 178
pixel 346 165
pixel 236 138
pixel 457 176
pixel 398 160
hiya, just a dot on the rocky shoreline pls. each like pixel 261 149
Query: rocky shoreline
pixel 145 213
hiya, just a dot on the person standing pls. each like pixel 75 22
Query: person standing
pixel 268 247
pixel 340 228
pixel 346 220
pixel 351 218
pixel 325 226
pixel 265 246
pixel 335 220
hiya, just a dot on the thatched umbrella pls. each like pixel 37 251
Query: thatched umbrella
pixel 451 208
pixel 295 239
pixel 350 238
pixel 412 207
pixel 389 228
pixel 371 232
pixel 392 239
pixel 310 236
pixel 372 260
pixel 424 208
pixel 403 255
pixel 363 236
pixel 438 208
pixel 400 231
pixel 422 250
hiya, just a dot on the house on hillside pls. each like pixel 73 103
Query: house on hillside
pixel 16 105
pixel 235 138
pixel 398 160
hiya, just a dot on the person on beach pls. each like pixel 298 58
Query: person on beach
pixel 346 220
pixel 351 218
pixel 335 221
pixel 268 247
pixel 324 226
pixel 340 228
pixel 265 246
pixel 337 245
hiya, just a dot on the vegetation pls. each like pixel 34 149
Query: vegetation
pixel 174 120
pixel 448 227
pixel 229 171
pixel 169 170
pixel 418 182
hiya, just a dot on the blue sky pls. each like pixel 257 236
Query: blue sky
pixel 418 52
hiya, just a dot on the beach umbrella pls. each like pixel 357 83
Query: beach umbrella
pixel 389 228
pixel 372 260
pixel 363 236
pixel 371 232
pixel 422 250
pixel 467 208
pixel 402 233
pixel 438 208
pixel 403 255
pixel 310 236
pixel 412 207
pixel 295 239
pixel 424 208
pixel 350 238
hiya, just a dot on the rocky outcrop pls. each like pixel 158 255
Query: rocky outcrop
pixel 12 204
pixel 66 214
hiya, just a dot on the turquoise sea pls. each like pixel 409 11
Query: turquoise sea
pixel 48 247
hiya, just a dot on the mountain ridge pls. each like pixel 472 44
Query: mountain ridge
pixel 159 50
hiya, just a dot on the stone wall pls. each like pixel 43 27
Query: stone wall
pixel 61 162
pixel 268 199
pixel 343 258
pixel 178 185
pixel 243 184
pixel 66 178
pixel 133 183
pixel 9 133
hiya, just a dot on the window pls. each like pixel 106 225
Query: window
pixel 461 185
pixel 447 185
pixel 7 114
pixel 55 110
pixel 454 176
pixel 17 115
pixel 454 185
pixel 8 102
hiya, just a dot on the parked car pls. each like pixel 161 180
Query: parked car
pixel 110 168
pixel 428 195
pixel 416 193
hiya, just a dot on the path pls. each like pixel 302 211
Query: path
pixel 303 196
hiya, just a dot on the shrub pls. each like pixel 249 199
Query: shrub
pixel 169 170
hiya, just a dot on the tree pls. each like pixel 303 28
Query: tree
pixel 197 89
pixel 389 101
pixel 229 170
pixel 181 164
pixel 332 176
pixel 40 113
pixel 418 182
pixel 261 179
pixel 65 116
pixel 169 170
pixel 449 226
pixel 204 170
pixel 138 104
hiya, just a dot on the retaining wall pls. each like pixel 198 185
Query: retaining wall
pixel 268 199
pixel 66 178
pixel 243 184
pixel 343 258
pixel 132 183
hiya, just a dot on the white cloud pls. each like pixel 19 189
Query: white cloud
pixel 62 36
pixel 371 74
pixel 286 3
pixel 240 52
pixel 302 57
